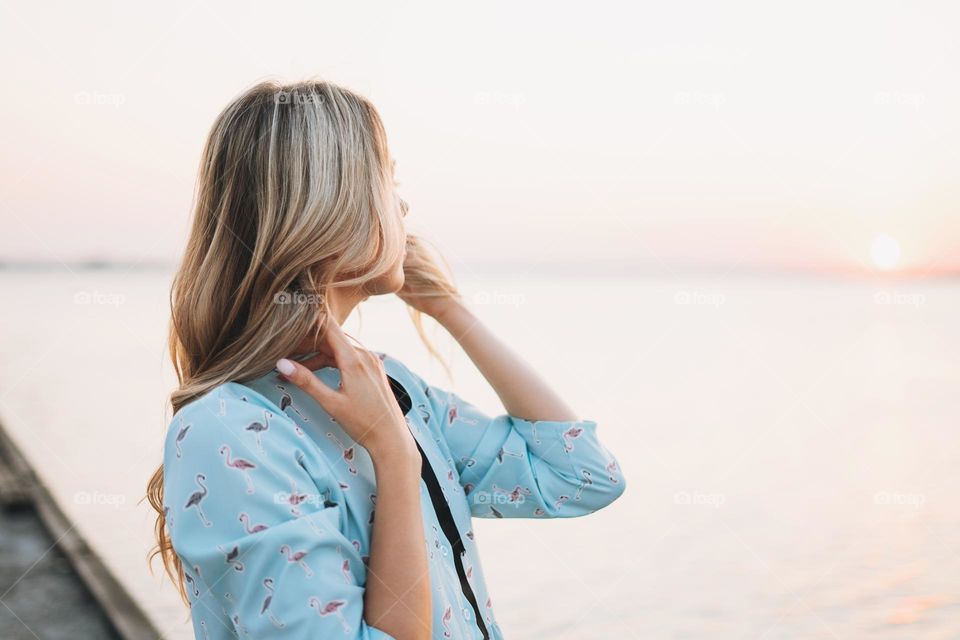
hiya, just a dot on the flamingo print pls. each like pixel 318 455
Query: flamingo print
pixel 232 557
pixel 286 400
pixel 447 617
pixel 241 465
pixel 197 497
pixel 612 471
pixel 242 630
pixel 345 567
pixel 347 453
pixel 424 414
pixel 258 428
pixel 265 608
pixel 297 557
pixel 503 452
pixel 250 529
pixel 181 434
pixel 587 480
pixel 436 542
pixel 570 434
pixel 331 608
pixel 295 498
pixel 191 582
pixel 560 501
pixel 514 495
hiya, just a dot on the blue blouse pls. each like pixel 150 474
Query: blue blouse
pixel 270 505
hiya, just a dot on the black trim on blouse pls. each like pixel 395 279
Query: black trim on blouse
pixel 442 509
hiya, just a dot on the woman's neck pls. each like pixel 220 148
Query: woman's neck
pixel 343 302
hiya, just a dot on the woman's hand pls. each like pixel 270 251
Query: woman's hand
pixel 426 287
pixel 364 406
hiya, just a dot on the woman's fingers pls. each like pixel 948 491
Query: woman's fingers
pixel 313 386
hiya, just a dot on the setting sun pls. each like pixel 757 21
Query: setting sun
pixel 885 252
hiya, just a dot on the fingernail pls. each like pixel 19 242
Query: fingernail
pixel 285 367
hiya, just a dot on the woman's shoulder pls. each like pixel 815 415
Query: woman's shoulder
pixel 231 407
pixel 396 368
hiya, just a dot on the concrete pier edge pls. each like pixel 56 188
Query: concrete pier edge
pixel 20 486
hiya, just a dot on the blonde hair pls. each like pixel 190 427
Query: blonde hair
pixel 294 196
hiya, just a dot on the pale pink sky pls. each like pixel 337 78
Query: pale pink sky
pixel 748 134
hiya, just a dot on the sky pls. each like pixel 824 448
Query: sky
pixel 665 135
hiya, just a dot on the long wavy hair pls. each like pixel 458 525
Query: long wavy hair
pixel 295 195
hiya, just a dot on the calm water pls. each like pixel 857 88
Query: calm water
pixel 791 445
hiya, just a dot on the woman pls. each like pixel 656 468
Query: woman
pixel 312 488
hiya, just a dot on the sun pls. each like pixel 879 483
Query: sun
pixel 885 252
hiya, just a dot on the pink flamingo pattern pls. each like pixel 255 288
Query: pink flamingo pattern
pixel 257 428
pixel 447 617
pixel 331 608
pixel 297 557
pixel 265 608
pixel 251 528
pixel 517 494
pixel 197 497
pixel 330 520
pixel 570 434
pixel 587 480
pixel 612 471
pixel 241 465
pixel 286 400
pixel 231 557
pixel 347 453
pixel 345 567
pixel 181 434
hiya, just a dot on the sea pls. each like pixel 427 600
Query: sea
pixel 790 442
